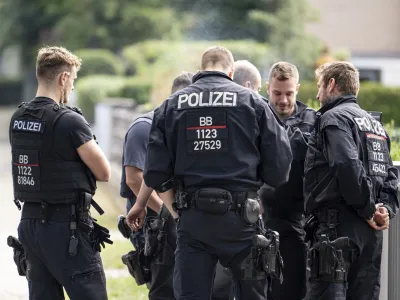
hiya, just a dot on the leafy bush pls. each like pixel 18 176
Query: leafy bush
pixel 10 91
pixel 95 89
pixel 98 62
pixel 136 88
pixel 372 97
pixel 162 61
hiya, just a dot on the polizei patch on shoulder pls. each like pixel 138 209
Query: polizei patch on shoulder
pixel 28 125
pixel 370 125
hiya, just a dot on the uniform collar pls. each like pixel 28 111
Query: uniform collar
pixel 43 100
pixel 338 101
pixel 206 74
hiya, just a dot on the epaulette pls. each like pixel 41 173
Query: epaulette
pixel 22 104
pixel 75 109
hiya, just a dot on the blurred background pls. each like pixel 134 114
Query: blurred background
pixel 133 49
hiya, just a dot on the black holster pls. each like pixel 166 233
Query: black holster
pixel 330 260
pixel 251 268
pixel 85 221
pixel 19 255
pixel 123 228
pixel 151 233
pixel 270 256
pixel 138 266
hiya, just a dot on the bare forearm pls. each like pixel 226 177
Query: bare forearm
pixel 168 198
pixel 154 202
pixel 143 199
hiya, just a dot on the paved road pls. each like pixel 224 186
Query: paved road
pixel 12 286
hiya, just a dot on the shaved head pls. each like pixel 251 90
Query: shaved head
pixel 247 75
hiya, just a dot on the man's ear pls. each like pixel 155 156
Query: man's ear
pixel 62 78
pixel 297 88
pixel 231 72
pixel 267 86
pixel 331 85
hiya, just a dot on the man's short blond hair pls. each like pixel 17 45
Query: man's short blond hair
pixel 217 56
pixel 52 60
pixel 346 75
pixel 283 71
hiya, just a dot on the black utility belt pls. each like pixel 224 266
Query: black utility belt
pixel 219 201
pixel 54 212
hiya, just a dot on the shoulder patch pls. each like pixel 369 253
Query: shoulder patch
pixel 370 125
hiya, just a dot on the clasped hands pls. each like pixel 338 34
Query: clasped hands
pixel 380 220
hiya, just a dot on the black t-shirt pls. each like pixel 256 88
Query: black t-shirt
pixel 71 127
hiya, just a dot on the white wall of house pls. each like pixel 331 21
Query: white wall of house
pixel 389 68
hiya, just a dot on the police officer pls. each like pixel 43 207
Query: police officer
pixel 247 75
pixel 350 189
pixel 284 205
pixel 134 155
pixel 220 141
pixel 55 165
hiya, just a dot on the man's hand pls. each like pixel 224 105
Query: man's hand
pixel 380 220
pixel 381 215
pixel 136 216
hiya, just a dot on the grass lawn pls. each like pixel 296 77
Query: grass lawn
pixel 125 288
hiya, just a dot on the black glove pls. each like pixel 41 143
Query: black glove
pixel 100 235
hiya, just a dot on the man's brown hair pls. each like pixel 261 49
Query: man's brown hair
pixel 51 61
pixel 346 75
pixel 217 56
pixel 283 71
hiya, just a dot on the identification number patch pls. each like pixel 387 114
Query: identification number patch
pixel 26 170
pixel 378 155
pixel 206 132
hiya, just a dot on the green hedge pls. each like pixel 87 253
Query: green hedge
pixel 98 62
pixel 372 96
pixel 162 61
pixel 96 88
pixel 10 91
pixel 136 88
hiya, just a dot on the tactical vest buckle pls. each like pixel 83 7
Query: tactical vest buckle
pixel 16 202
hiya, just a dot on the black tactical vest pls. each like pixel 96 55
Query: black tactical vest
pixel 39 174
pixel 125 191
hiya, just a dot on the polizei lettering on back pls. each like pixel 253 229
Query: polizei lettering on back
pixel 26 125
pixel 370 125
pixel 207 99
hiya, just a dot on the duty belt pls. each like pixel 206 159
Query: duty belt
pixel 54 212
pixel 238 199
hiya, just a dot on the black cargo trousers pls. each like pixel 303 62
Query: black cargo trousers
pixel 363 259
pixel 162 263
pixel 50 267
pixel 203 239
pixel 293 250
